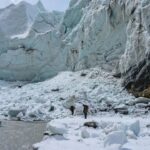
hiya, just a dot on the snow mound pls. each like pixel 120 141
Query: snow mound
pixel 116 137
pixel 131 134
pixel 135 127
pixel 85 133
pixel 114 147
pixel 70 102
pixel 56 128
pixel 79 137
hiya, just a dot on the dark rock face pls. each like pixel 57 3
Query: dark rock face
pixel 92 124
pixel 52 108
pixel 137 78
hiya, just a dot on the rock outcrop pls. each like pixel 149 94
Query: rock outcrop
pixel 134 63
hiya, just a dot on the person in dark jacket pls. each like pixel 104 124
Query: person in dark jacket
pixel 72 109
pixel 85 110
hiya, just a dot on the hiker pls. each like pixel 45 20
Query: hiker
pixel 85 110
pixel 85 104
pixel 72 108
pixel 70 104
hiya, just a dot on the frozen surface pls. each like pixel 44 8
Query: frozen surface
pixel 104 94
pixel 112 34
pixel 35 100
pixel 28 33
pixel 116 137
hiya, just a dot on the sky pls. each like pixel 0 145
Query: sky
pixel 60 5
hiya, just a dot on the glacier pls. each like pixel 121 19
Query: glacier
pixel 28 33
pixel 111 34
pixel 85 48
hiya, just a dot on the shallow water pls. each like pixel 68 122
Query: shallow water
pixel 15 135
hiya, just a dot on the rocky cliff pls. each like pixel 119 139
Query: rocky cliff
pixel 112 34
pixel 134 63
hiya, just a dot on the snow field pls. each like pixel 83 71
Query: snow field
pixel 113 133
pixel 35 100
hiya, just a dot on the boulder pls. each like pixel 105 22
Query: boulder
pixel 34 147
pixel 122 109
pixel 92 124
pixel 141 105
pixel 55 90
pixel 32 115
pixel 140 111
pixel 13 113
pixel 135 127
pixel 83 74
pixel 85 133
pixel 131 134
pixel 52 108
pixel 143 100
pixel 19 116
pixel 70 102
pixel 115 137
pixel 56 128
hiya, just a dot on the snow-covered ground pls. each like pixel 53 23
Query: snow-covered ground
pixel 113 133
pixel 35 100
pixel 129 129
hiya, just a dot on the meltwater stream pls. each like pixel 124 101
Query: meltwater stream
pixel 15 135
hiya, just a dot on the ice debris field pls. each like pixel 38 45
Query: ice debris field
pixel 111 133
pixel 51 98
pixel 122 121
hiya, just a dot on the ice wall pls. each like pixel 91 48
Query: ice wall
pixel 28 48
pixel 135 62
pixel 112 34
pixel 99 37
